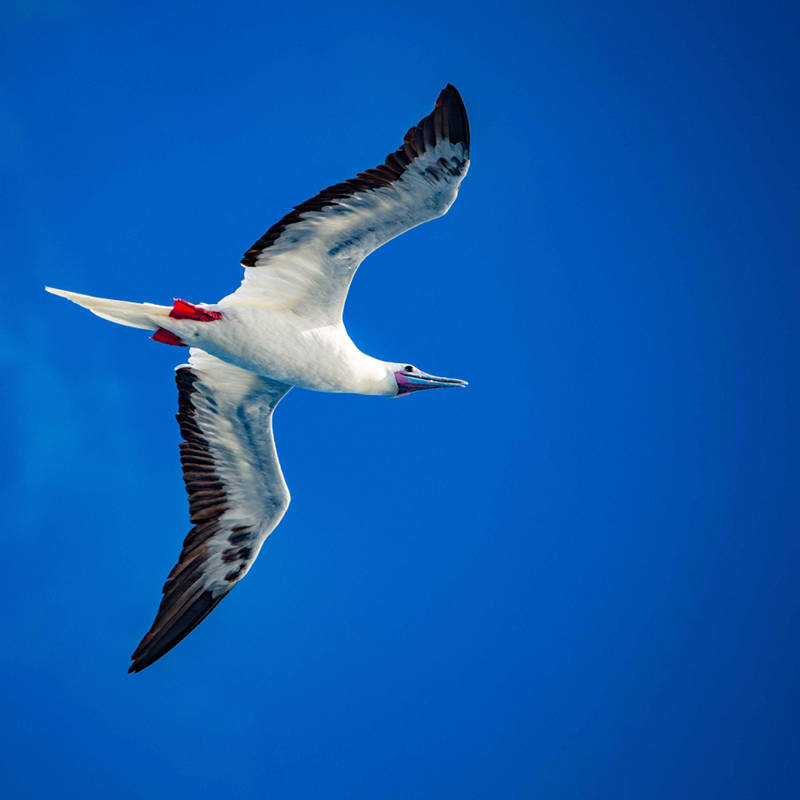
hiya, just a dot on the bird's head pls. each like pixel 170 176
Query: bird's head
pixel 410 379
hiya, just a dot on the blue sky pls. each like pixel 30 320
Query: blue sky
pixel 576 579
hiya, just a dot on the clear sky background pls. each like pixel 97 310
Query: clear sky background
pixel 577 578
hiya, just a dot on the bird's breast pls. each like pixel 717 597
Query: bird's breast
pixel 280 346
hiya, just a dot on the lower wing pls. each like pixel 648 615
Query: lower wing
pixel 237 494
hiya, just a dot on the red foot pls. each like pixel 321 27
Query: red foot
pixel 183 310
pixel 166 337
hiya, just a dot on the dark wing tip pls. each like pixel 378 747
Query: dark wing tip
pixel 185 603
pixel 164 635
pixel 447 122
pixel 452 106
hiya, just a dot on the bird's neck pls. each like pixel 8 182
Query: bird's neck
pixel 373 377
pixel 339 366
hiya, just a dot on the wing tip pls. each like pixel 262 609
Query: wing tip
pixel 161 638
pixel 449 91
pixel 452 104
pixel 447 122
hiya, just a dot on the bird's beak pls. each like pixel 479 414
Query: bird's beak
pixel 411 382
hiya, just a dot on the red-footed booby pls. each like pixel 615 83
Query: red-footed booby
pixel 281 328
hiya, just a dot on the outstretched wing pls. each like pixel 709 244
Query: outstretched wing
pixel 305 262
pixel 237 494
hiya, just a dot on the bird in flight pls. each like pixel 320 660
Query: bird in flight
pixel 281 328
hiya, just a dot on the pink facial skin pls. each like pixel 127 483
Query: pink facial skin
pixel 408 382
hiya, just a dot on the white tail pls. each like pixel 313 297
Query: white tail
pixel 135 315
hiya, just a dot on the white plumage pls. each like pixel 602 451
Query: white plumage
pixel 281 328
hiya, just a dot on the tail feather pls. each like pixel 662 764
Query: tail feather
pixel 135 315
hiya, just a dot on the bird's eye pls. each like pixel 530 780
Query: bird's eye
pixel 408 368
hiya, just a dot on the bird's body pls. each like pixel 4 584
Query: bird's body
pixel 281 328
pixel 283 346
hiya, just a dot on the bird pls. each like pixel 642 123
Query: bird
pixel 281 328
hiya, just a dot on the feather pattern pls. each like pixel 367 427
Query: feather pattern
pixel 237 493
pixel 282 327
pixel 306 261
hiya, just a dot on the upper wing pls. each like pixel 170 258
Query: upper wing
pixel 305 262
pixel 237 494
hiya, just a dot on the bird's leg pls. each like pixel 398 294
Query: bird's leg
pixel 167 337
pixel 183 310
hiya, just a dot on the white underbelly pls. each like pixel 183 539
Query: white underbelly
pixel 320 359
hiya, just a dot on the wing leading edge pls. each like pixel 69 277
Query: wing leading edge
pixel 306 260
